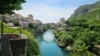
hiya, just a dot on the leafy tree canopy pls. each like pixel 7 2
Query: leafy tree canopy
pixel 8 6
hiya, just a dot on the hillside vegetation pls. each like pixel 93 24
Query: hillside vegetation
pixel 84 34
pixel 87 10
pixel 85 27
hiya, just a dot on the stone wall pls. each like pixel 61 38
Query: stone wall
pixel 5 49
pixel 13 45
pixel 19 47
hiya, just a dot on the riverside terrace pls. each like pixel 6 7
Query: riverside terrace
pixel 13 45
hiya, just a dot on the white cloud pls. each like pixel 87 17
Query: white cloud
pixel 47 14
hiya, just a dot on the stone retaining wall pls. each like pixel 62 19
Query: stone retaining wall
pixel 13 45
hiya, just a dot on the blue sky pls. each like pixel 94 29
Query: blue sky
pixel 49 11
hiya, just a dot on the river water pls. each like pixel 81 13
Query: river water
pixel 48 45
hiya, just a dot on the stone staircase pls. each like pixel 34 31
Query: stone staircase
pixel 5 48
pixel 13 45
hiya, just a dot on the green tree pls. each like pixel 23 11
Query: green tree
pixel 16 23
pixel 8 6
pixel 30 26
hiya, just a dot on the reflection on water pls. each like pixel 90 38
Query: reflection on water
pixel 48 45
pixel 48 36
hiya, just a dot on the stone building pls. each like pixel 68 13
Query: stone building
pixel 16 17
pixel 23 21
pixel 61 24
pixel 30 17
pixel 6 18
pixel 38 25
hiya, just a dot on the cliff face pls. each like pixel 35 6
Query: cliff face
pixel 86 9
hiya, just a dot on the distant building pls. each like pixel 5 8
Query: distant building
pixel 17 16
pixel 61 24
pixel 30 18
pixel 38 24
pixel 23 21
